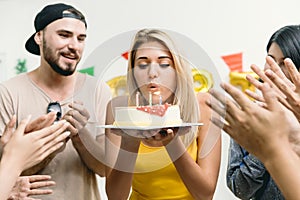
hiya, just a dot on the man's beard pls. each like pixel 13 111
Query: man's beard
pixel 53 62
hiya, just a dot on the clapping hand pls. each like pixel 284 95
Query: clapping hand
pixel 78 117
pixel 246 122
pixel 41 122
pixel 30 149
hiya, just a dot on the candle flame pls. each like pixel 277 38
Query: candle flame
pixel 156 93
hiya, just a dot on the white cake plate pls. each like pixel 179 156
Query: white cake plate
pixel 149 127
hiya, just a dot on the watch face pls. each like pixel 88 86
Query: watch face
pixel 55 106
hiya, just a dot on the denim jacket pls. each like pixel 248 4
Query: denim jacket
pixel 247 177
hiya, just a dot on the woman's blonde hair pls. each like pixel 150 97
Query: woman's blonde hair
pixel 184 94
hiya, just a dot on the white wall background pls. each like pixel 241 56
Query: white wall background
pixel 219 27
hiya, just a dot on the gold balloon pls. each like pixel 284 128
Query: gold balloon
pixel 118 86
pixel 239 80
pixel 203 80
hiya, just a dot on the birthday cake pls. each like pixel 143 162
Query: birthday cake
pixel 156 115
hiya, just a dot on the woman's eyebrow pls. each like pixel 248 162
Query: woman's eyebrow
pixel 142 58
pixel 163 57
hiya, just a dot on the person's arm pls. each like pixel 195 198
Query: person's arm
pixel 245 173
pixel 204 172
pixel 283 166
pixel 121 154
pixel 8 166
pixel 120 174
pixel 91 149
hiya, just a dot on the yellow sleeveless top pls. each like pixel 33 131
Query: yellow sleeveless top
pixel 156 177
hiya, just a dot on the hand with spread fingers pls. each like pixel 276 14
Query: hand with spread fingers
pixel 258 130
pixel 27 186
pixel 271 65
pixel 35 146
pixel 291 89
pixel 246 122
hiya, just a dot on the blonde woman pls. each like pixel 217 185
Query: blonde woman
pixel 167 163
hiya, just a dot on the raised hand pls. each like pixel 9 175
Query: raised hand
pixel 246 121
pixel 289 89
pixel 271 65
pixel 30 149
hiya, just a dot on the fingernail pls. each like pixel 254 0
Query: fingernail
pixel 67 133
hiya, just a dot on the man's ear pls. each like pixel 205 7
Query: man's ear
pixel 38 37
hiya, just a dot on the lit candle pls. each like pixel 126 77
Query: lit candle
pixel 160 100
pixel 137 97
pixel 150 99
pixel 159 97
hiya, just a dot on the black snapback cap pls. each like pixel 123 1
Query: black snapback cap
pixel 46 16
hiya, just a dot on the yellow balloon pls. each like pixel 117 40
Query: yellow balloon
pixel 118 86
pixel 239 80
pixel 203 80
